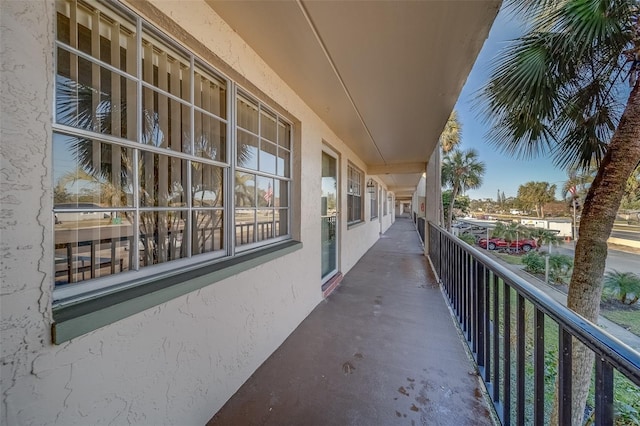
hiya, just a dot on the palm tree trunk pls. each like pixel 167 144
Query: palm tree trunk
pixel 598 215
pixel 454 193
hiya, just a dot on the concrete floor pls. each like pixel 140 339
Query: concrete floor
pixel 381 350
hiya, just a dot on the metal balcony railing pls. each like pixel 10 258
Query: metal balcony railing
pixel 522 340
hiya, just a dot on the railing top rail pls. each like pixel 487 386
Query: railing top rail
pixel 620 355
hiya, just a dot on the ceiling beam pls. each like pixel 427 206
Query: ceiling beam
pixel 399 168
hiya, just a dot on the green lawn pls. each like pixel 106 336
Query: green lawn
pixel 510 259
pixel 627 318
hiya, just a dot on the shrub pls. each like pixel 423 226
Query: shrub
pixel 623 285
pixel 533 263
pixel 468 238
pixel 560 267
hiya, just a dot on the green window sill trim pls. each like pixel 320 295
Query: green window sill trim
pixel 89 315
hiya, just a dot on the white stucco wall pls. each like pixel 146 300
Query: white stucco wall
pixel 180 361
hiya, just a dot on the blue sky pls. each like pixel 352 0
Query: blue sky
pixel 502 173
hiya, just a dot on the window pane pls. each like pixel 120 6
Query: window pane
pixel 265 224
pixel 210 137
pixel 208 232
pixel 281 222
pixel 268 129
pixel 265 191
pixel 161 236
pixel 283 162
pixel 93 98
pixel 91 244
pixel 281 193
pixel 268 153
pixel 210 94
pixel 247 115
pixel 105 35
pixel 165 122
pixel 206 185
pixel 165 68
pixel 245 226
pixel 284 135
pixel 245 191
pixel 162 180
pixel 247 150
pixel 87 171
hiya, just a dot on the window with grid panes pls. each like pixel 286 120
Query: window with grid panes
pixel 354 195
pixel 374 201
pixel 142 148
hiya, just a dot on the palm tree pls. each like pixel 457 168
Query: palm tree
pixel 625 285
pixel 452 133
pixel 555 91
pixel 449 140
pixel 543 237
pixel 461 170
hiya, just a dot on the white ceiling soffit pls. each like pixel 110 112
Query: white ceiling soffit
pixel 384 75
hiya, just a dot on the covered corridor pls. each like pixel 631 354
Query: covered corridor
pixel 381 350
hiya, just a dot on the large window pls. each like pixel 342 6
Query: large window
pixel 142 154
pixel 354 194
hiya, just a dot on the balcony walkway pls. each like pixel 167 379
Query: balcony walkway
pixel 381 350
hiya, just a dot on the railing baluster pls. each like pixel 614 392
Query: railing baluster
pixel 481 326
pixel 474 315
pixel 506 318
pixel 496 341
pixel 604 392
pixel 487 326
pixel 538 368
pixel 520 359
pixel 564 376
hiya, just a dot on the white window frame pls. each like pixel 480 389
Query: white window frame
pixel 121 280
pixel 355 186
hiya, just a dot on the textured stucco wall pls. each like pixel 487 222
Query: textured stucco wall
pixel 176 363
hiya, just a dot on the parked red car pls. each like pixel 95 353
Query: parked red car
pixel 524 245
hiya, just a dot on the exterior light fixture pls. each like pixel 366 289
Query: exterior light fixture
pixel 371 186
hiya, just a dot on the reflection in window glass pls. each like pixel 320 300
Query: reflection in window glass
pixel 245 226
pixel 208 233
pixel 268 153
pixel 210 94
pixel 165 68
pixel 284 135
pixel 265 229
pixel 88 171
pixel 162 180
pixel 281 220
pixel 247 155
pixel 245 190
pixel 265 191
pixel 206 185
pixel 161 236
pixel 91 244
pixel 210 137
pixel 281 193
pixel 165 122
pixel 283 162
pixel 268 127
pixel 247 115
